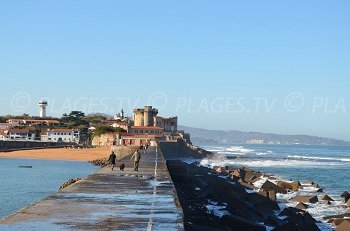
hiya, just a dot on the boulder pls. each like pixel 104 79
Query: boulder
pixel 325 197
pixel 269 194
pixel 297 216
pixel 302 206
pixel 221 170
pixel 237 223
pixel 248 185
pixel 306 199
pixel 346 196
pixel 325 203
pixel 269 186
pixel 251 176
pixel 293 186
pixel 344 226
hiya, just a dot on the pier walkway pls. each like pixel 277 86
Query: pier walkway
pixel 109 200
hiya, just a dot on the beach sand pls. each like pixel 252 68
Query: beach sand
pixel 60 154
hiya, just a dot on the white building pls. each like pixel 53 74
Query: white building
pixel 121 124
pixel 61 135
pixel 17 135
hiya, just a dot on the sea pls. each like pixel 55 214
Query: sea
pixel 328 166
pixel 21 187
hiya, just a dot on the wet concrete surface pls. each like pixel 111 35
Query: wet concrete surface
pixel 109 200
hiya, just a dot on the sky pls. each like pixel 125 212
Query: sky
pixel 267 66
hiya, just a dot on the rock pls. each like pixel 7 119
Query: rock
pixel 269 194
pixel 273 221
pixel 337 216
pixel 238 223
pixel 221 170
pixel 297 216
pixel 302 206
pixel 344 226
pixel 248 185
pixel 306 199
pixel 293 186
pixel 269 186
pixel 251 176
pixel 325 203
pixel 69 182
pixel 326 198
pixel 345 194
pixel 320 190
pixel 100 162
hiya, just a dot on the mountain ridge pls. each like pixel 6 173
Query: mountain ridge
pixel 200 136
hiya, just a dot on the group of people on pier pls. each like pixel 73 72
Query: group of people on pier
pixel 136 157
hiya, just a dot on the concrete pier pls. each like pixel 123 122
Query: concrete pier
pixel 109 200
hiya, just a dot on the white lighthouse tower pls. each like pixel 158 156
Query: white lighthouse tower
pixel 42 108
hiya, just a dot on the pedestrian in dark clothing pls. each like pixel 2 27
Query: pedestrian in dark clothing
pixel 112 159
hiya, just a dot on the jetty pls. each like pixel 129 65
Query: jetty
pixel 109 200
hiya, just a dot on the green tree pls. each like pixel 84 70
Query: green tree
pixel 74 119
pixel 104 129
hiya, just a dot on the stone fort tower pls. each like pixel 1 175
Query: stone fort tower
pixel 145 117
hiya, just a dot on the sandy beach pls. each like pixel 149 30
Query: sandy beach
pixel 60 154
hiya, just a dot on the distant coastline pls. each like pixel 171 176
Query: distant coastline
pixel 200 136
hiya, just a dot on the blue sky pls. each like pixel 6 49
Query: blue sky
pixel 269 66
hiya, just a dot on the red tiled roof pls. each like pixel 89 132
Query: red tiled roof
pixel 146 127
pixel 19 131
pixel 62 130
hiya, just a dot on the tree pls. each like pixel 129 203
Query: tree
pixel 74 119
pixel 104 129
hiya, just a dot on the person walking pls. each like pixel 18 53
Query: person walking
pixel 136 157
pixel 112 159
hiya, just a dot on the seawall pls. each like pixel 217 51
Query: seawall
pixel 6 146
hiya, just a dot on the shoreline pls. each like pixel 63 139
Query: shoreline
pixel 65 154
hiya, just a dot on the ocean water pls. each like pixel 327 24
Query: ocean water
pixel 327 166
pixel 21 187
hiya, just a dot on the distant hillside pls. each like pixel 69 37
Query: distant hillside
pixel 204 136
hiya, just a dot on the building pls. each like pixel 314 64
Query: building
pixel 6 126
pixel 42 108
pixel 147 130
pixel 168 124
pixel 120 116
pixel 31 122
pixel 121 124
pixel 145 116
pixel 61 135
pixel 17 135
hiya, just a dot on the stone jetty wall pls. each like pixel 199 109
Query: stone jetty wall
pixel 22 145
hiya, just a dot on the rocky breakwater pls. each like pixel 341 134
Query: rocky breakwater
pixel 342 221
pixel 69 182
pixel 235 199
